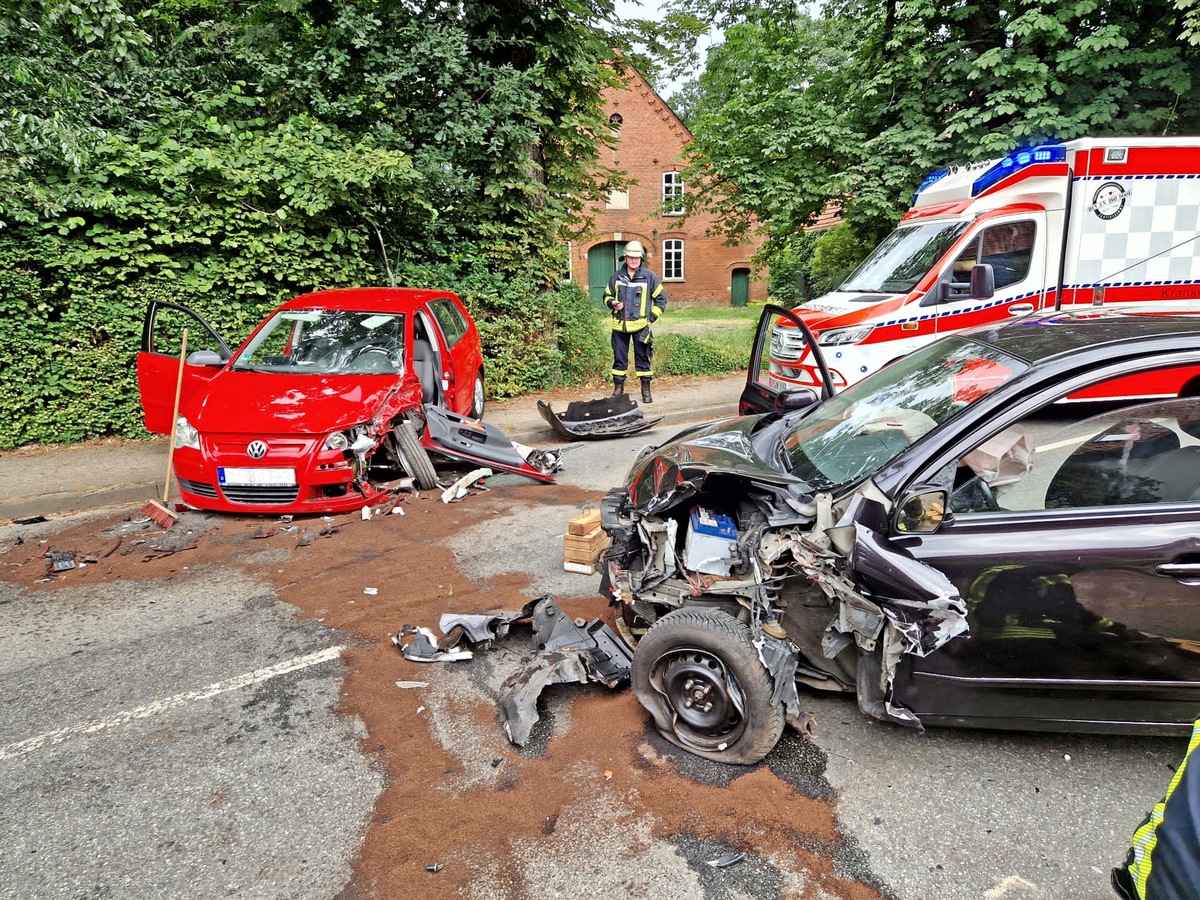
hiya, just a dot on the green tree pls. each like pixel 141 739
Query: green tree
pixel 858 103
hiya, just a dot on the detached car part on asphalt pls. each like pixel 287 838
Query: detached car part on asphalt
pixel 594 420
pixel 929 540
pixel 566 651
pixel 330 392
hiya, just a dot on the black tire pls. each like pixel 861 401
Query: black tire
pixel 414 457
pixel 698 674
pixel 477 397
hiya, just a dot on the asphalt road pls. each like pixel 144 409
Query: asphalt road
pixel 180 738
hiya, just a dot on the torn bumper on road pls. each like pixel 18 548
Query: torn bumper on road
pixel 566 651
pixel 593 420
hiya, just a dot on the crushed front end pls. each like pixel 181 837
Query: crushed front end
pixel 706 535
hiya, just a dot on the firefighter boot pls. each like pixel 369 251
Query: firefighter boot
pixel 646 398
pixel 618 386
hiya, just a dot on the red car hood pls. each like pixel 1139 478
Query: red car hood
pixel 269 403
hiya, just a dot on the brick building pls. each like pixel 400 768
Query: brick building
pixel 694 266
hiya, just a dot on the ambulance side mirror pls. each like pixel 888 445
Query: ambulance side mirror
pixel 983 281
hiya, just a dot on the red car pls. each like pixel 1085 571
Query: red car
pixel 292 421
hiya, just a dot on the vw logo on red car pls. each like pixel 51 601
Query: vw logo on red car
pixel 256 449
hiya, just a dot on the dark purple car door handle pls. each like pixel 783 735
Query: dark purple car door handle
pixel 1179 570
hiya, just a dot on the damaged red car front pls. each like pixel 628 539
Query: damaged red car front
pixel 326 396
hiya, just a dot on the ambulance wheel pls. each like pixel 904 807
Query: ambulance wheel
pixel 696 671
pixel 413 457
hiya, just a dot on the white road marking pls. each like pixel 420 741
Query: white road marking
pixel 50 738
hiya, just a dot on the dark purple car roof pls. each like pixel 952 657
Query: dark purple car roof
pixel 1040 337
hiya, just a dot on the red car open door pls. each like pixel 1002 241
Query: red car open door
pixel 158 360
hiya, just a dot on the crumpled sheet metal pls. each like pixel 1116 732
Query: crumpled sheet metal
pixel 566 651
pixel 923 614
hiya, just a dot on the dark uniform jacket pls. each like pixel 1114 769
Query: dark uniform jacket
pixel 643 296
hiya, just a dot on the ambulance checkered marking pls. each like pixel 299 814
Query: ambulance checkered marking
pixel 1161 219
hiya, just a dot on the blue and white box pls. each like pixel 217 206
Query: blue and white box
pixel 711 544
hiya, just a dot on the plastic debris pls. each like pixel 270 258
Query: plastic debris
pixel 729 859
pixel 412 684
pixel 423 646
pixel 435 868
pixel 458 490
pixel 370 592
pixel 61 560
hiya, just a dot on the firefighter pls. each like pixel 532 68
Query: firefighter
pixel 1164 862
pixel 636 298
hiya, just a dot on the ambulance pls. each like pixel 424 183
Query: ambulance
pixel 1097 221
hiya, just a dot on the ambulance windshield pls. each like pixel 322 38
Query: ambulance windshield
pixel 903 258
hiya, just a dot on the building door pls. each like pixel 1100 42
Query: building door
pixel 602 262
pixel 739 289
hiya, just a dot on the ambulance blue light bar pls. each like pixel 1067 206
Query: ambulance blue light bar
pixel 930 179
pixel 1015 162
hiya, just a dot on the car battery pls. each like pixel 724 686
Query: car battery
pixel 711 543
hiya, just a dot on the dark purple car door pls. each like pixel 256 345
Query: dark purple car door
pixel 1083 602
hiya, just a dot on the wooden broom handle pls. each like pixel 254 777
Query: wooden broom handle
pixel 174 416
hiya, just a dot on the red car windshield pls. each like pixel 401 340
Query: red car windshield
pixel 326 342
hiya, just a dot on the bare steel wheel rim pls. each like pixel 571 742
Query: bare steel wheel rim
pixel 707 703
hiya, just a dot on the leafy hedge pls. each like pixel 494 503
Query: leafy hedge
pixel 67 365
pixel 230 156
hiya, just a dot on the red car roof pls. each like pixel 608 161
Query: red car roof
pixel 366 299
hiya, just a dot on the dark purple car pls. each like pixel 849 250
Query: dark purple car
pixel 952 539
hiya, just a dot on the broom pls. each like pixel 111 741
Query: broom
pixel 154 510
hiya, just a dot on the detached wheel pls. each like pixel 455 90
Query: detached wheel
pixel 414 457
pixel 698 674
pixel 477 398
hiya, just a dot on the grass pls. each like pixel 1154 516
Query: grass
pixel 704 340
pixel 694 341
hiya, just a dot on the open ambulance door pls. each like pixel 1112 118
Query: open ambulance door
pixel 158 360
pixel 787 370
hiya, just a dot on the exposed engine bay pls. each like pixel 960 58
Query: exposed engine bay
pixel 820 598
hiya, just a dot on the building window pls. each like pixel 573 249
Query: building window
pixel 672 260
pixel 672 194
pixel 615 122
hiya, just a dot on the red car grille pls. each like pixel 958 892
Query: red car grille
pixel 199 488
pixel 249 494
pixel 261 493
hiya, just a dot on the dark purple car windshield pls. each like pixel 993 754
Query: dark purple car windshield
pixel 858 432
